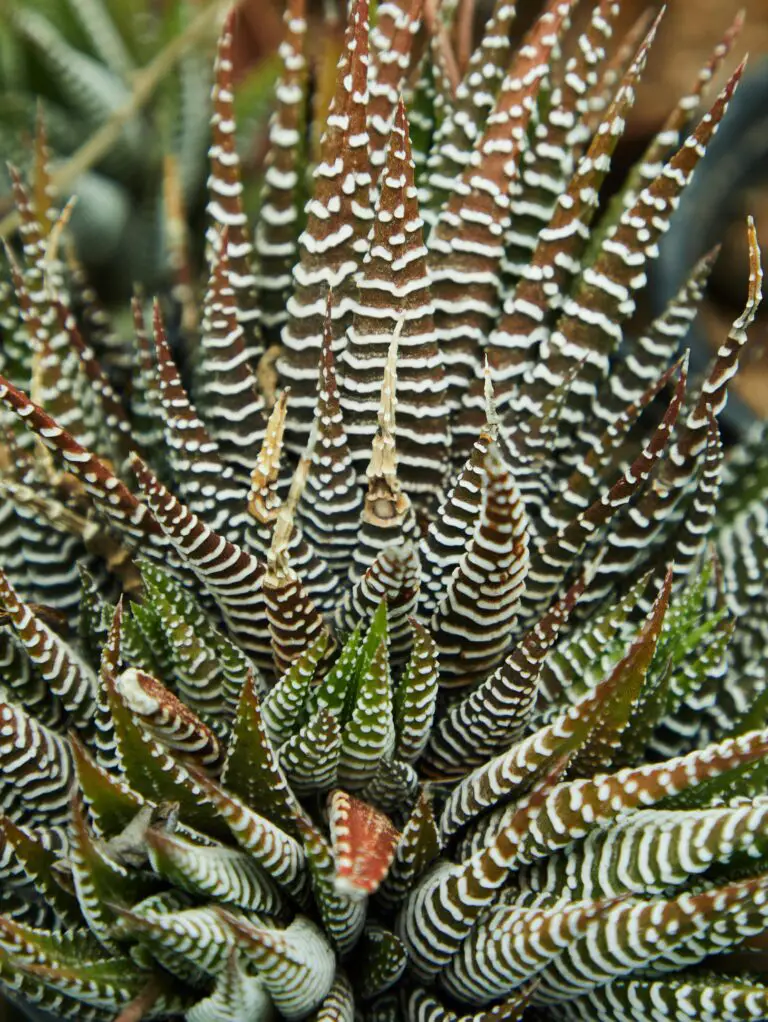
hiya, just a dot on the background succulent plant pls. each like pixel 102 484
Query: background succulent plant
pixel 408 659
pixel 79 62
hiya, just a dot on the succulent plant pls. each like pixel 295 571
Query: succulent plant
pixel 407 659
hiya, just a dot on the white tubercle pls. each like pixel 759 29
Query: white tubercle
pixel 136 698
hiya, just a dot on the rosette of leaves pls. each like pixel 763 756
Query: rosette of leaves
pixel 410 664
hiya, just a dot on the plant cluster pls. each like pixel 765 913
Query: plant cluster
pixel 406 661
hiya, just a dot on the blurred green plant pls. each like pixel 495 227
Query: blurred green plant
pixel 84 64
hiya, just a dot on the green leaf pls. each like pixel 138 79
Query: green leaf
pixel 237 996
pixel 101 883
pixel 343 916
pixel 335 693
pixel 621 705
pixel 296 964
pixel 39 864
pixel 417 849
pixel 415 697
pixel 110 801
pixel 383 960
pixel 191 943
pixel 221 874
pixel 369 736
pixel 252 771
pixel 277 853
pixel 94 619
pixel 707 997
pixel 311 758
pixel 284 709
pixel 153 772
pixel 208 670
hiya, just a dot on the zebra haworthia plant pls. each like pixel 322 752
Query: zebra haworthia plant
pixel 405 659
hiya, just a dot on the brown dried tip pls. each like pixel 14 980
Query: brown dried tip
pixel 57 230
pixel 492 418
pixel 383 463
pixel 385 499
pixel 263 504
pixel 755 291
pixel 734 31
pixel 277 556
pixel 164 713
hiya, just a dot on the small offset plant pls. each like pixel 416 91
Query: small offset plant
pixel 406 661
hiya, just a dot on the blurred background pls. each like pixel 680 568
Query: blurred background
pixel 123 88
pixel 143 196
